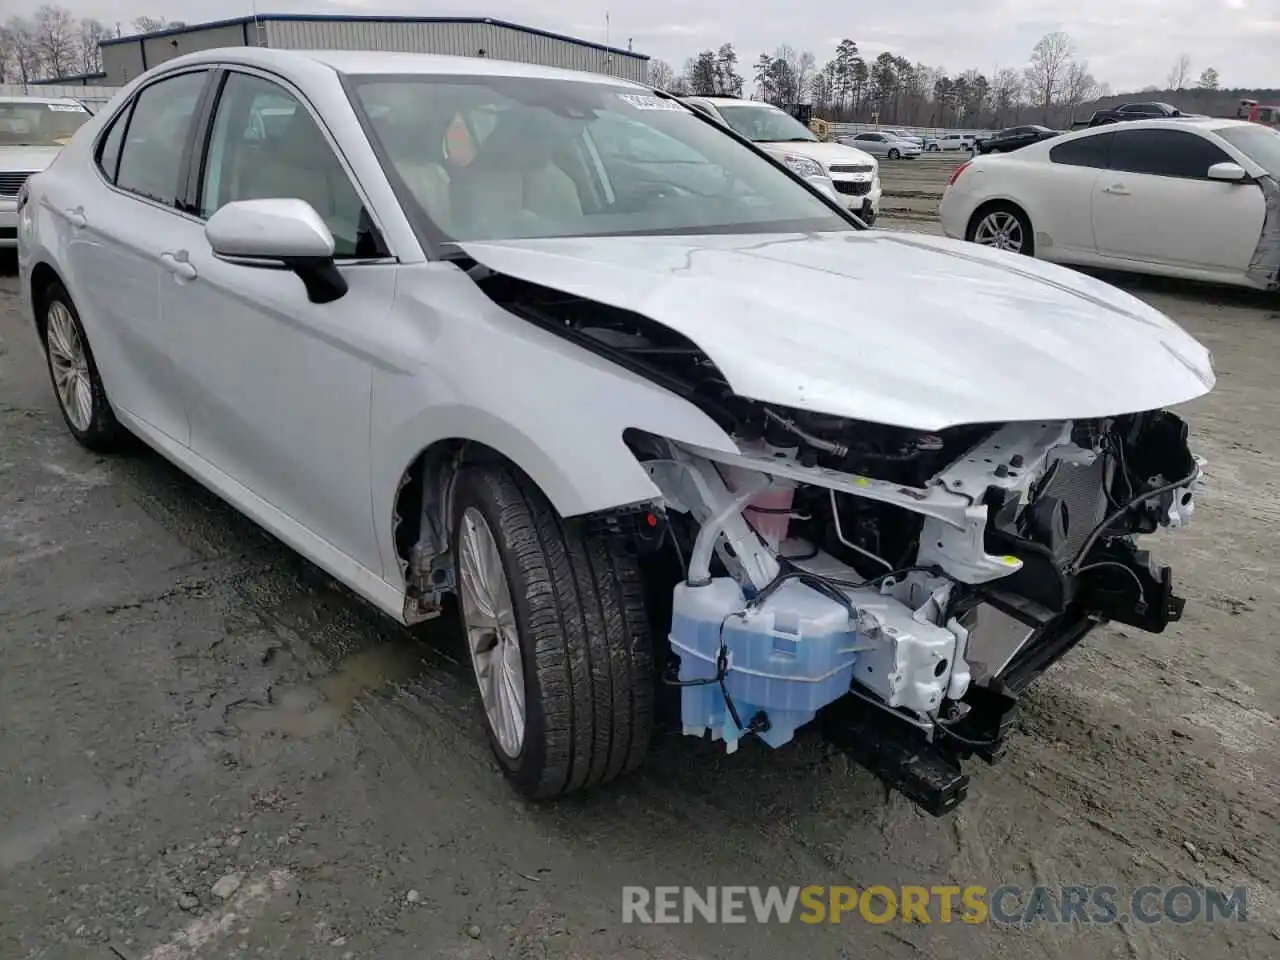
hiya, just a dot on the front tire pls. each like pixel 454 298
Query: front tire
pixel 77 384
pixel 894 154
pixel 558 635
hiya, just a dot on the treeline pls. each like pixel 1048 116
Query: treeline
pixel 52 43
pixel 1054 87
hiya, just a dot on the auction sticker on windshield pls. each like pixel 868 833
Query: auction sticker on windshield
pixel 643 101
pixel 66 108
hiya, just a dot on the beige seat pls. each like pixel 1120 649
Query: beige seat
pixel 301 164
pixel 513 186
pixel 413 142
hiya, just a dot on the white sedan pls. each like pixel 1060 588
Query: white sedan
pixel 559 345
pixel 1178 197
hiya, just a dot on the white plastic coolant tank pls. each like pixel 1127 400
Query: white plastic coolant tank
pixel 786 660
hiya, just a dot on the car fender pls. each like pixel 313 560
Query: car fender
pixel 463 368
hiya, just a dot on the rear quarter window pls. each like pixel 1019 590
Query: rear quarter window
pixel 1085 152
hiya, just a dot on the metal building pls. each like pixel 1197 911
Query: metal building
pixel 124 58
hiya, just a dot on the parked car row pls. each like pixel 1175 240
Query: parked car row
pixel 1176 196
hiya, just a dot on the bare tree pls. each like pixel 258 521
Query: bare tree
pixel 661 75
pixel 1208 79
pixel 55 37
pixel 6 54
pixel 149 24
pixel 25 54
pixel 1078 87
pixel 1180 72
pixel 1006 93
pixel 1047 74
pixel 92 33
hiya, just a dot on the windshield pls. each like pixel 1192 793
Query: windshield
pixel 763 124
pixel 35 124
pixel 1259 144
pixel 493 158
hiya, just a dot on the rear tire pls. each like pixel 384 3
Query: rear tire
pixel 578 615
pixel 77 384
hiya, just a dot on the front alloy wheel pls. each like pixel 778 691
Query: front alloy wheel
pixel 558 633
pixel 492 636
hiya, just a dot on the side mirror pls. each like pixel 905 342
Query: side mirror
pixel 278 234
pixel 1232 172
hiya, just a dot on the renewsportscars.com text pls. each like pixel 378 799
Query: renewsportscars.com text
pixel 1007 904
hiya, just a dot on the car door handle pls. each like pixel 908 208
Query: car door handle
pixel 75 217
pixel 1116 190
pixel 178 264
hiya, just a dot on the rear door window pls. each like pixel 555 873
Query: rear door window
pixel 156 140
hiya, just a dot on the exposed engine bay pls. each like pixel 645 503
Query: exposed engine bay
pixel 837 568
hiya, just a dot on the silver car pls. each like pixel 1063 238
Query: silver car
pixel 649 405
pixel 885 145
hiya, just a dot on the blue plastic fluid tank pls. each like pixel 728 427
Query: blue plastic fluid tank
pixel 787 658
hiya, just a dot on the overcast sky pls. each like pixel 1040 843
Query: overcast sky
pixel 1128 43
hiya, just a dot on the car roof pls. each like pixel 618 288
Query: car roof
pixel 1206 124
pixel 382 63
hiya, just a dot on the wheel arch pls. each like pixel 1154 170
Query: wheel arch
pixel 413 506
pixel 43 276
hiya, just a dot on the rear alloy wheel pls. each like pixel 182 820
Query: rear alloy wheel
pixel 558 636
pixel 1004 228
pixel 76 381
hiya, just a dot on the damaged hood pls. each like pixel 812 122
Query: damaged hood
pixel 897 329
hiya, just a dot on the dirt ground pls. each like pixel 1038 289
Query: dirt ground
pixel 209 749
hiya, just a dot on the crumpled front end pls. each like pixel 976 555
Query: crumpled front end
pixel 1264 267
pixel 837 568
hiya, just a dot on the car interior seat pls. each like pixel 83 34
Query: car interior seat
pixel 513 183
pixel 301 164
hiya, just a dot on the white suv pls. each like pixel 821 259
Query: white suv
pixel 854 173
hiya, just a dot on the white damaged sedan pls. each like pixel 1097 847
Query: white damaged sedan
pixel 661 414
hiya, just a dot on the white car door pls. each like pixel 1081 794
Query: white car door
pixel 278 387
pixel 116 228
pixel 1064 186
pixel 1156 203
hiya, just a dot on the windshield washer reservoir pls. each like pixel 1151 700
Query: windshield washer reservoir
pixel 787 659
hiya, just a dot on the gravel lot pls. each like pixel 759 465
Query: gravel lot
pixel 208 749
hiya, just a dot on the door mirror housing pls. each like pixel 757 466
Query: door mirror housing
pixel 1231 172
pixel 278 234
